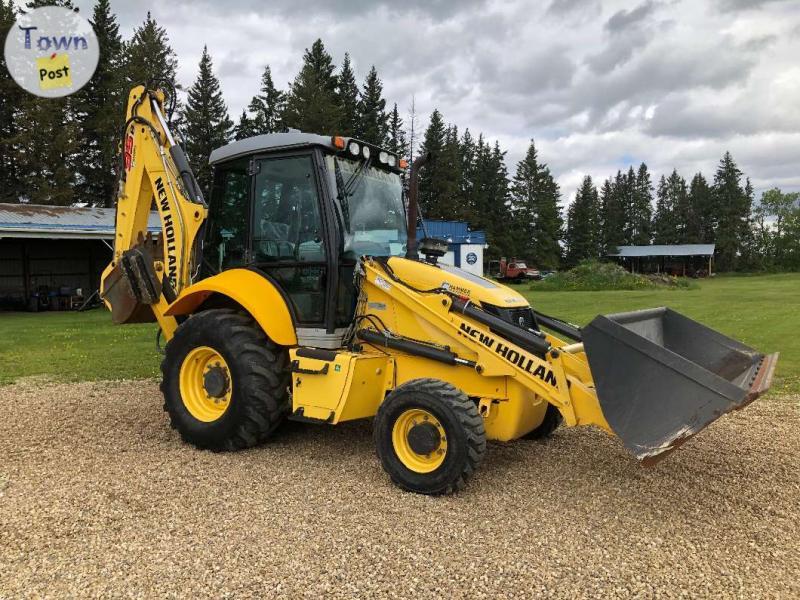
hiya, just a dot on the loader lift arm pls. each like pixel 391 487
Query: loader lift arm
pixel 652 377
pixel 146 274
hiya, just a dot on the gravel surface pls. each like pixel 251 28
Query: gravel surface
pixel 99 497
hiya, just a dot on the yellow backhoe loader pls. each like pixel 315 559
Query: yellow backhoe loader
pixel 298 292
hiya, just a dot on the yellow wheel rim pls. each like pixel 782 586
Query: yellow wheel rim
pixel 419 463
pixel 201 363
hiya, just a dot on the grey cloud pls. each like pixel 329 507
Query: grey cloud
pixel 305 9
pixel 563 7
pixel 233 66
pixel 757 44
pixel 662 71
pixel 735 5
pixel 748 114
pixel 623 19
pixel 539 71
pixel 675 117
pixel 574 74
pixel 618 52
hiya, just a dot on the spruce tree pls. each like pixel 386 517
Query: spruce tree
pixel 681 209
pixel 45 143
pixel 312 104
pixel 101 108
pixel 733 205
pixel 207 125
pixel 535 197
pixel 432 177
pixel 704 217
pixel 664 218
pixel 497 200
pixel 245 127
pixel 477 185
pixel 396 141
pixel 625 189
pixel 372 126
pixel 455 204
pixel 639 205
pixel 612 209
pixel 747 251
pixel 582 235
pixel 467 168
pixel 267 106
pixel 11 95
pixel 489 202
pixel 348 99
pixel 149 59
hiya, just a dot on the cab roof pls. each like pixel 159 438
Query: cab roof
pixel 270 142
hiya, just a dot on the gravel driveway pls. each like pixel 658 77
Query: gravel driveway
pixel 99 497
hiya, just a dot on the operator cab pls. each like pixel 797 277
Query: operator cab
pixel 301 209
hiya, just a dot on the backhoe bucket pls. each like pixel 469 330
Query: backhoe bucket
pixel 661 377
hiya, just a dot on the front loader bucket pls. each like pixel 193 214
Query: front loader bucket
pixel 661 377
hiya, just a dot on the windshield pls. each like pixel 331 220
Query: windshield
pixel 371 207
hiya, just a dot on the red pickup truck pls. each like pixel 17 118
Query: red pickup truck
pixel 512 271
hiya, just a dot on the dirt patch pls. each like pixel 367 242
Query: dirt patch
pixel 99 497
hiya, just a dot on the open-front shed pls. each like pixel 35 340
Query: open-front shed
pixel 695 260
pixel 51 257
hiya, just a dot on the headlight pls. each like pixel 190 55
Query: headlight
pixel 365 152
pixel 354 148
pixel 383 157
pixel 392 160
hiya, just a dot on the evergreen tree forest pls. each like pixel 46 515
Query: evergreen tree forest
pixel 65 151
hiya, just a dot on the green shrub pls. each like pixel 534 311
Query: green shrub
pixel 593 275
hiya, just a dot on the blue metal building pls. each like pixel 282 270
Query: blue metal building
pixel 465 246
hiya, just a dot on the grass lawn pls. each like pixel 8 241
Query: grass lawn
pixel 761 311
pixel 73 346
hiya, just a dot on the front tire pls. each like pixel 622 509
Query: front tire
pixel 225 383
pixel 429 437
pixel 552 420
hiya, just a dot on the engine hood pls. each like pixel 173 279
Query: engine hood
pixel 423 275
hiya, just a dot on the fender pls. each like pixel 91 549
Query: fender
pixel 256 294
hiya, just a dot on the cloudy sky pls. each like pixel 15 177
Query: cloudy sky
pixel 599 85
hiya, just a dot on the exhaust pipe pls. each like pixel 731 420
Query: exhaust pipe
pixel 413 206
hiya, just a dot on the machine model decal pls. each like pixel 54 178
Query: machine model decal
pixel 128 154
pixel 169 232
pixel 509 354
pixel 383 284
pixel 456 289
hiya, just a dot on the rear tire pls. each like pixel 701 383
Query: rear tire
pixel 254 396
pixel 552 420
pixel 429 437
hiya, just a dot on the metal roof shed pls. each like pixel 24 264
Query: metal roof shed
pixel 633 254
pixel 61 222
pixel 665 250
pixel 49 252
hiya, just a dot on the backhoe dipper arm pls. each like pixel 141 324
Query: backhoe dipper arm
pixel 145 274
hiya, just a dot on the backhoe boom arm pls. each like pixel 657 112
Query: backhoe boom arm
pixel 146 274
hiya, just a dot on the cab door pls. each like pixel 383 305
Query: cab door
pixel 288 240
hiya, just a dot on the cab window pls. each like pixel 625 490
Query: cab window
pixel 287 233
pixel 226 243
pixel 286 215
